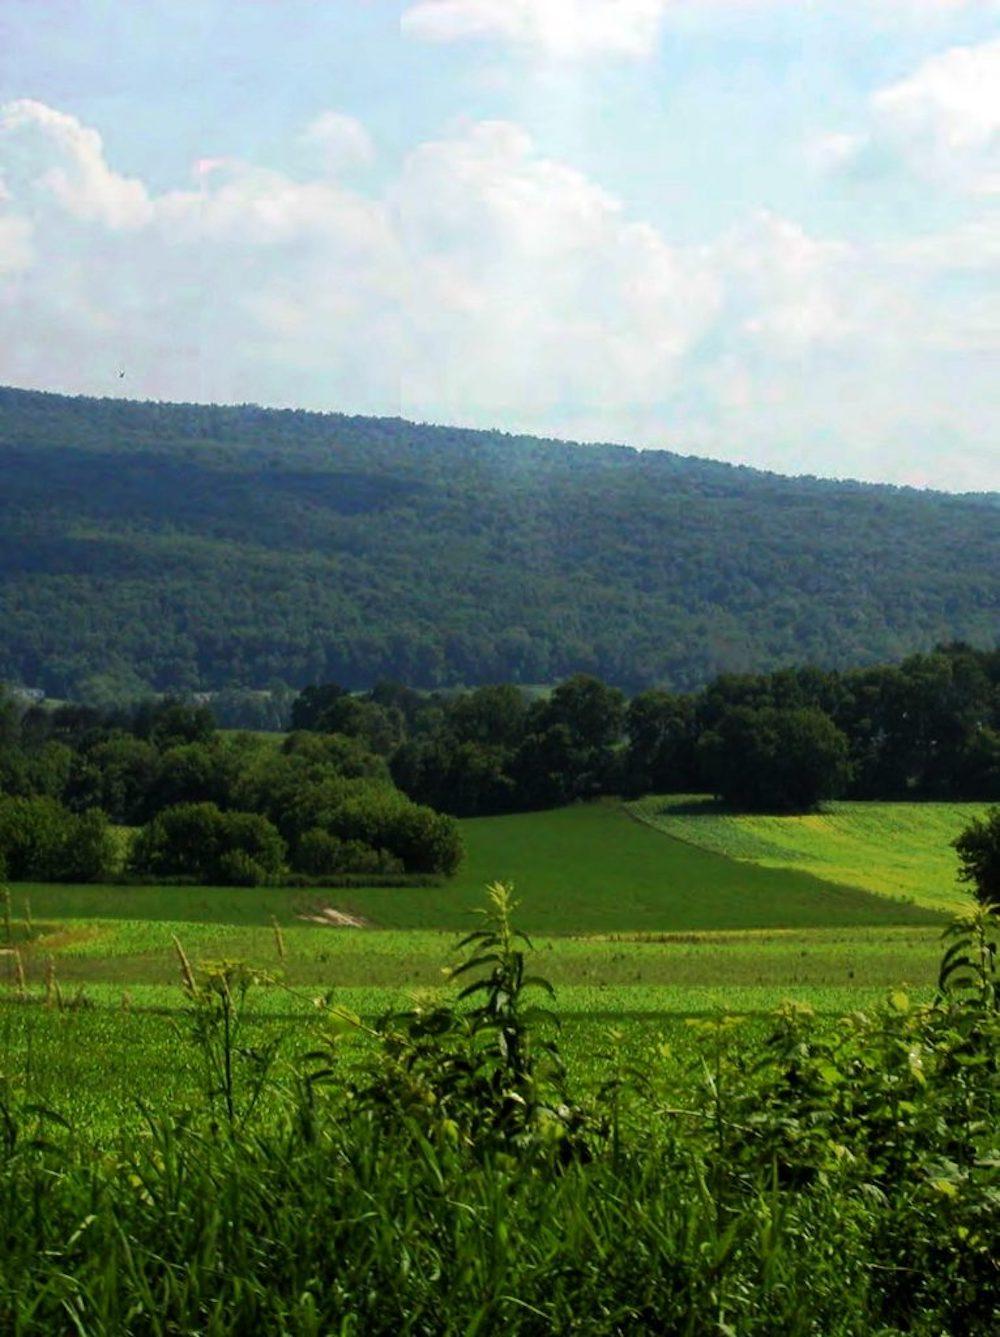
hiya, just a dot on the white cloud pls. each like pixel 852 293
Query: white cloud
pixel 16 249
pixel 972 246
pixel 75 172
pixel 945 118
pixel 529 287
pixel 561 28
pixel 251 206
pixel 488 284
pixel 342 141
pixel 941 123
pixel 252 285
pixel 571 29
pixel 787 287
pixel 535 303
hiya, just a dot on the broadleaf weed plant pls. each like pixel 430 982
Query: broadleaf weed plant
pixel 484 1070
pixel 237 1072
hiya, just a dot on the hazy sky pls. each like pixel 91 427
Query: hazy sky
pixel 762 230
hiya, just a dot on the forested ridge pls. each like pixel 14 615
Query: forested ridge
pixel 185 547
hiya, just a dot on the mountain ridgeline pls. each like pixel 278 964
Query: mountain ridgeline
pixel 180 547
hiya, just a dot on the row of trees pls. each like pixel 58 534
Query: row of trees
pixel 926 728
pixel 208 806
pixel 361 784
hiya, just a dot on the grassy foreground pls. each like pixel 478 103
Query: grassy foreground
pixel 692 1157
pixel 635 928
pixel 446 1172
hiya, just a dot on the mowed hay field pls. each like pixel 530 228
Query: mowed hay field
pixel 891 849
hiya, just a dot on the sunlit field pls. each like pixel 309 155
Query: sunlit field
pixel 637 930
pixel 891 849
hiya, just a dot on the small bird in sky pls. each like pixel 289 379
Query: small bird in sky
pixel 121 373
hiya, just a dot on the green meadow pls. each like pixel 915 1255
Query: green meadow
pixel 99 1050
pixel 639 927
pixel 890 849
pixel 590 868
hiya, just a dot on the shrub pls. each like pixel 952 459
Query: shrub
pixel 198 840
pixel 41 839
pixel 978 849
pixel 426 841
pixel 236 868
pixel 359 813
pixel 31 835
pixel 320 854
pixel 89 852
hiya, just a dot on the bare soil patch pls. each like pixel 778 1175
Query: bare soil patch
pixel 334 918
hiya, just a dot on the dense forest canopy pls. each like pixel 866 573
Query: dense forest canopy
pixel 204 807
pixel 183 547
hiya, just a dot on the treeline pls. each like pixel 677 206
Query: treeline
pixel 202 806
pixel 928 728
pixel 367 784
pixel 181 548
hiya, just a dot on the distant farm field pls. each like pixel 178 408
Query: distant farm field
pixel 591 868
pixel 640 930
pixel 891 849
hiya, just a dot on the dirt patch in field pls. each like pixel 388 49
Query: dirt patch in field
pixel 334 918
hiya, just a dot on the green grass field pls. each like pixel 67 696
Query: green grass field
pixel 129 953
pixel 614 902
pixel 890 849
pixel 636 926
pixel 110 1047
pixel 586 869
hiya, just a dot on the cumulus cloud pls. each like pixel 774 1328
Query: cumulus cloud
pixel 572 29
pixel 249 285
pixel 52 154
pixel 535 302
pixel 489 284
pixel 16 250
pixel 942 123
pixel 529 285
pixel 788 287
pixel 341 142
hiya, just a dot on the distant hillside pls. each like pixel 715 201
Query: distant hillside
pixel 194 547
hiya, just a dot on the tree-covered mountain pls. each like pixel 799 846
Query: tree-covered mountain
pixel 179 547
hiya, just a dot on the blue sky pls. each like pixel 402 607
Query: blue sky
pixel 759 230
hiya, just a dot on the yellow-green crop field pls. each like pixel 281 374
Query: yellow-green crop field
pixel 901 850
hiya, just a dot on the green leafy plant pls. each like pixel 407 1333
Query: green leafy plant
pixel 236 1072
pixel 485 1070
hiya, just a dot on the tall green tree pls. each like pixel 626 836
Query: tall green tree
pixel 978 849
pixel 661 738
pixel 780 760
